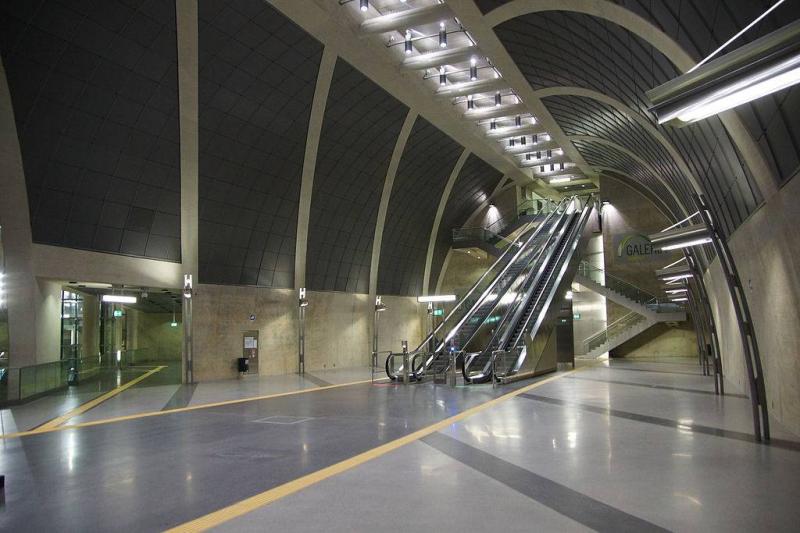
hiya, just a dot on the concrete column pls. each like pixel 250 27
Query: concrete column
pixel 19 282
pixel 324 77
pixel 91 325
pixel 188 103
pixel 438 218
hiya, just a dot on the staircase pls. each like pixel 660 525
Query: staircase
pixel 627 295
pixel 617 333
pixel 646 310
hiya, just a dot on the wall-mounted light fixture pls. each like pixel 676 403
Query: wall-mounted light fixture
pixel 363 5
pixel 766 65
pixel 119 299
pixel 407 45
pixel 676 238
pixel 442 35
pixel 473 68
pixel 436 298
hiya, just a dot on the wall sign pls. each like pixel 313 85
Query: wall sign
pixel 635 247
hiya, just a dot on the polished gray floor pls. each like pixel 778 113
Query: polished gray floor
pixel 608 448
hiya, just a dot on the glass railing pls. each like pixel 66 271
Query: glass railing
pixel 612 330
pixel 491 233
pixel 18 384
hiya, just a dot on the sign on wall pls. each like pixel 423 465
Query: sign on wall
pixel 635 247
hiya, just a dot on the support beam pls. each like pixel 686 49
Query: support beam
pixel 488 113
pixel 324 77
pixel 437 59
pixel 188 104
pixel 15 224
pixel 438 219
pixel 383 208
pixel 401 20
pixel 508 133
pixel 485 85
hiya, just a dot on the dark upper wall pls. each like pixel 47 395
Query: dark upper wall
pixel 94 89
pixel 257 77
pixel 359 133
pixel 428 159
pixel 474 184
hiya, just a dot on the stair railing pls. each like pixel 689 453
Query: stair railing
pixel 611 330
pixel 626 289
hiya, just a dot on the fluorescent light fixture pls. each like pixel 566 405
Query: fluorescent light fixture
pixel 685 237
pixel 173 324
pixel 688 244
pixel 436 298
pixel 684 299
pixel 762 67
pixel 676 278
pixel 119 299
pixel 564 179
pixel 407 46
pixel 569 295
pixel 442 35
pixel 675 291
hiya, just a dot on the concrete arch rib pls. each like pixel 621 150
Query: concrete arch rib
pixel 438 218
pixel 604 9
pixel 632 155
pixel 383 207
pixel 324 77
pixel 633 115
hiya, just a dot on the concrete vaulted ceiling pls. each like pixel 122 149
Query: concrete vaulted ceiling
pixel 328 159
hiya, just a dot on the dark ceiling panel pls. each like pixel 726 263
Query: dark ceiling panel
pixel 94 89
pixel 474 185
pixel 257 76
pixel 426 164
pixel 597 154
pixel 487 5
pixel 559 48
pixel 359 132
pixel 584 116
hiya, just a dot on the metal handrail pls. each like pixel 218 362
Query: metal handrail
pixel 606 334
pixel 480 280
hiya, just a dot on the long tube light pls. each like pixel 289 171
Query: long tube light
pixel 119 299
pixel 757 69
pixel 685 237
pixel 436 298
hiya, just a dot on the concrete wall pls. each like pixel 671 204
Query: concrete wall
pixel 338 328
pixel 153 333
pixel 48 322
pixel 661 340
pixel 766 250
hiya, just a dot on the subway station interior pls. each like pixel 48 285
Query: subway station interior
pixel 399 265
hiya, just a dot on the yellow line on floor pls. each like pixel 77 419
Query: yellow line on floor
pixel 41 429
pixel 91 404
pixel 259 500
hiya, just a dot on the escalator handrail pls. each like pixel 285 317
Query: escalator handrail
pixel 511 314
pixel 480 280
pixel 497 278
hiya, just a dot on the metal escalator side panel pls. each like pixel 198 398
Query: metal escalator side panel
pixel 502 309
pixel 553 239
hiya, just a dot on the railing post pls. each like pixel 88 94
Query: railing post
pixel 451 374
pixel 406 379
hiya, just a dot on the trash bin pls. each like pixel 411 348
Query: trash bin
pixel 72 377
pixel 243 364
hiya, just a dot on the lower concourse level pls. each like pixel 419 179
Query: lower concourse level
pixel 609 446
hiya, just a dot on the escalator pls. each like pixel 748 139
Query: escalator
pixel 523 335
pixel 460 325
